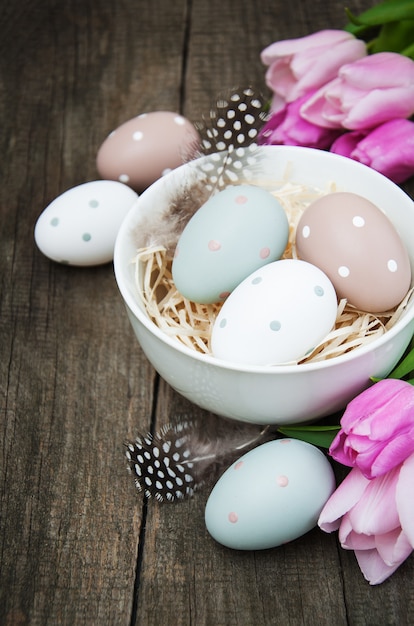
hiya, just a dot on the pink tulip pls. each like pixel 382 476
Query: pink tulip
pixel 297 66
pixel 366 93
pixel 389 148
pixel 288 128
pixel 377 429
pixel 375 518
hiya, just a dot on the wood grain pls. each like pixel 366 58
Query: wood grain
pixel 78 544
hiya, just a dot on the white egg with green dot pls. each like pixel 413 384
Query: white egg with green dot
pixel 277 315
pixel 80 226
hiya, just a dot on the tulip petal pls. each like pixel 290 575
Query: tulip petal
pixel 405 498
pixel 347 143
pixel 359 443
pixel 376 513
pixel 286 127
pixel 393 453
pixel 377 428
pixel 365 93
pixel 393 547
pixel 384 69
pixel 327 37
pixel 372 408
pixel 277 103
pixel 266 134
pixel 389 149
pixel 345 530
pixel 350 540
pixel 321 111
pixel 279 77
pixel 342 500
pixel 314 68
pixel 380 105
pixel 373 567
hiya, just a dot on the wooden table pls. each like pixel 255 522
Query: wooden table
pixel 79 545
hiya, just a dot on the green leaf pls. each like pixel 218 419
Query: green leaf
pixel 321 436
pixel 267 106
pixel 387 11
pixel 394 37
pixel 408 52
pixel 354 21
pixel 404 367
pixel 362 32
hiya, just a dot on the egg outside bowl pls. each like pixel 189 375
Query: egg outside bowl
pixel 282 394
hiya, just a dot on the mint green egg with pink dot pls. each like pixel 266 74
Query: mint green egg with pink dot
pixel 270 496
pixel 237 231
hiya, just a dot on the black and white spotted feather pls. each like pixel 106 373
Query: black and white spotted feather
pixel 175 462
pixel 229 134
pixel 233 122
pixel 228 143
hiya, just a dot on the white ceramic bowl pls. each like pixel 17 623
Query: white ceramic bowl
pixel 277 394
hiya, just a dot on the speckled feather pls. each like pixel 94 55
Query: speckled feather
pixel 228 143
pixel 233 122
pixel 175 462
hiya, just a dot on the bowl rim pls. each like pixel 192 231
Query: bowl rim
pixel 208 359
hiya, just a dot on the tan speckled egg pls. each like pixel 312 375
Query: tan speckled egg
pixel 146 147
pixel 359 249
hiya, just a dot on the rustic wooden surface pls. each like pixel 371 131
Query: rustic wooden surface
pixel 79 545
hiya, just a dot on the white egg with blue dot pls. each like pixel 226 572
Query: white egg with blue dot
pixel 270 496
pixel 80 226
pixel 277 315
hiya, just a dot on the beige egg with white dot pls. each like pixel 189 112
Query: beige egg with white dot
pixel 358 248
pixel 147 147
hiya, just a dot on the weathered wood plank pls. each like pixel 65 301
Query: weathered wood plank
pixel 73 379
pixel 78 544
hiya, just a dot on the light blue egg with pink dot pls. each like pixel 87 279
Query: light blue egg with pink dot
pixel 235 232
pixel 270 496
